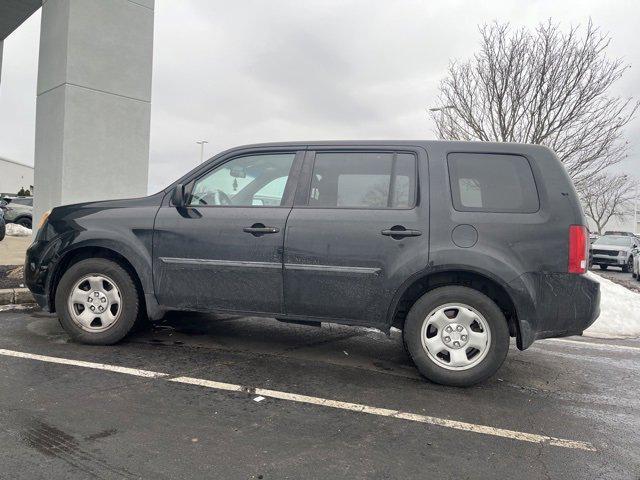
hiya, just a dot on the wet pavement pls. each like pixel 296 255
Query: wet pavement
pixel 78 420
pixel 618 276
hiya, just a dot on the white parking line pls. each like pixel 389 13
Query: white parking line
pixel 80 363
pixel 602 346
pixel 324 402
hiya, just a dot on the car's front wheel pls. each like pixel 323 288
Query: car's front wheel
pixel 456 336
pixel 97 301
pixel 629 266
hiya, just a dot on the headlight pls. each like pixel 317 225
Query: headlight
pixel 43 218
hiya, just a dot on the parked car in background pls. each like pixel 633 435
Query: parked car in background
pixel 3 229
pixel 619 233
pixel 636 260
pixel 614 251
pixel 18 210
pixel 461 245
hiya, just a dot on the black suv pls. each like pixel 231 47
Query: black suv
pixel 461 245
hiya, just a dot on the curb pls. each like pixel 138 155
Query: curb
pixel 15 296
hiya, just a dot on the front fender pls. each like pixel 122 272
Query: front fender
pixel 129 247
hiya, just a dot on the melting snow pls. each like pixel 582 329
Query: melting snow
pixel 619 311
pixel 15 230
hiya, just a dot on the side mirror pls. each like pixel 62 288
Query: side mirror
pixel 177 197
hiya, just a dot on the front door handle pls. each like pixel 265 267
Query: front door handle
pixel 398 231
pixel 260 229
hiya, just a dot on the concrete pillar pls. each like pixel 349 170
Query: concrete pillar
pixel 1 46
pixel 94 101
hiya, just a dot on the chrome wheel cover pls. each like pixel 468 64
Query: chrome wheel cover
pixel 455 336
pixel 95 303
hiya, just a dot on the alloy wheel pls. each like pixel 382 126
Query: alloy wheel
pixel 456 336
pixel 95 303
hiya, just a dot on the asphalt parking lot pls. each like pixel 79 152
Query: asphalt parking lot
pixel 223 397
pixel 618 276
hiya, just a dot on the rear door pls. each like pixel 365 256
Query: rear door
pixel 358 229
pixel 223 251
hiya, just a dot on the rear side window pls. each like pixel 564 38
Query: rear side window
pixel 363 180
pixel 492 183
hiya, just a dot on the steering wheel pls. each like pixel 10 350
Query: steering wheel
pixel 217 197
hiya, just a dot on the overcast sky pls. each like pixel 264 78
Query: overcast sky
pixel 235 72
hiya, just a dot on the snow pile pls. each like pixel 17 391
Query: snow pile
pixel 619 311
pixel 15 230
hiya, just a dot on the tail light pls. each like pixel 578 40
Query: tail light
pixel 578 248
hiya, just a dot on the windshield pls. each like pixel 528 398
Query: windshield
pixel 614 240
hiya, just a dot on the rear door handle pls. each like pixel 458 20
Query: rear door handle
pixel 259 229
pixel 398 231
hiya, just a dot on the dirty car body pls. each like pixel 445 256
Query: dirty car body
pixel 346 232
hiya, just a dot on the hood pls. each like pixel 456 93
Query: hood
pixel 604 246
pixel 91 207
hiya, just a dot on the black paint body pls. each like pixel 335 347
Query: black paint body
pixel 333 264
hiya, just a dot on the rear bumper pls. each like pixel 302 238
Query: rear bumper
pixel 554 305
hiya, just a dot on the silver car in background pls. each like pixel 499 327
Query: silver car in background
pixel 17 210
pixel 614 251
pixel 636 262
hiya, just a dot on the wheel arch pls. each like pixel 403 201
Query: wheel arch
pixel 426 281
pixel 83 252
pixel 20 217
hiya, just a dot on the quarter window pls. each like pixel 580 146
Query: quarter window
pixel 492 183
pixel 363 180
pixel 256 180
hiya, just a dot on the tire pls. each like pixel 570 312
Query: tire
pixel 120 308
pixel 25 222
pixel 603 267
pixel 418 327
pixel 628 267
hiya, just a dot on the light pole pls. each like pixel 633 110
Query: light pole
pixel 201 143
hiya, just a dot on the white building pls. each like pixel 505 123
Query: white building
pixel 14 176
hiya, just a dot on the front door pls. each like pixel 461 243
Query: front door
pixel 223 251
pixel 357 231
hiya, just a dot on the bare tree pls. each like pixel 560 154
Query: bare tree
pixel 608 197
pixel 544 87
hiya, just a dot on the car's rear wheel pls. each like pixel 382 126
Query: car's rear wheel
pixel 97 302
pixel 24 221
pixel 456 336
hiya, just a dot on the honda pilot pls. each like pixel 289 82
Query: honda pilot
pixel 460 245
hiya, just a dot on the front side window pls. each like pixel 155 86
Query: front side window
pixel 256 180
pixel 363 180
pixel 492 183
